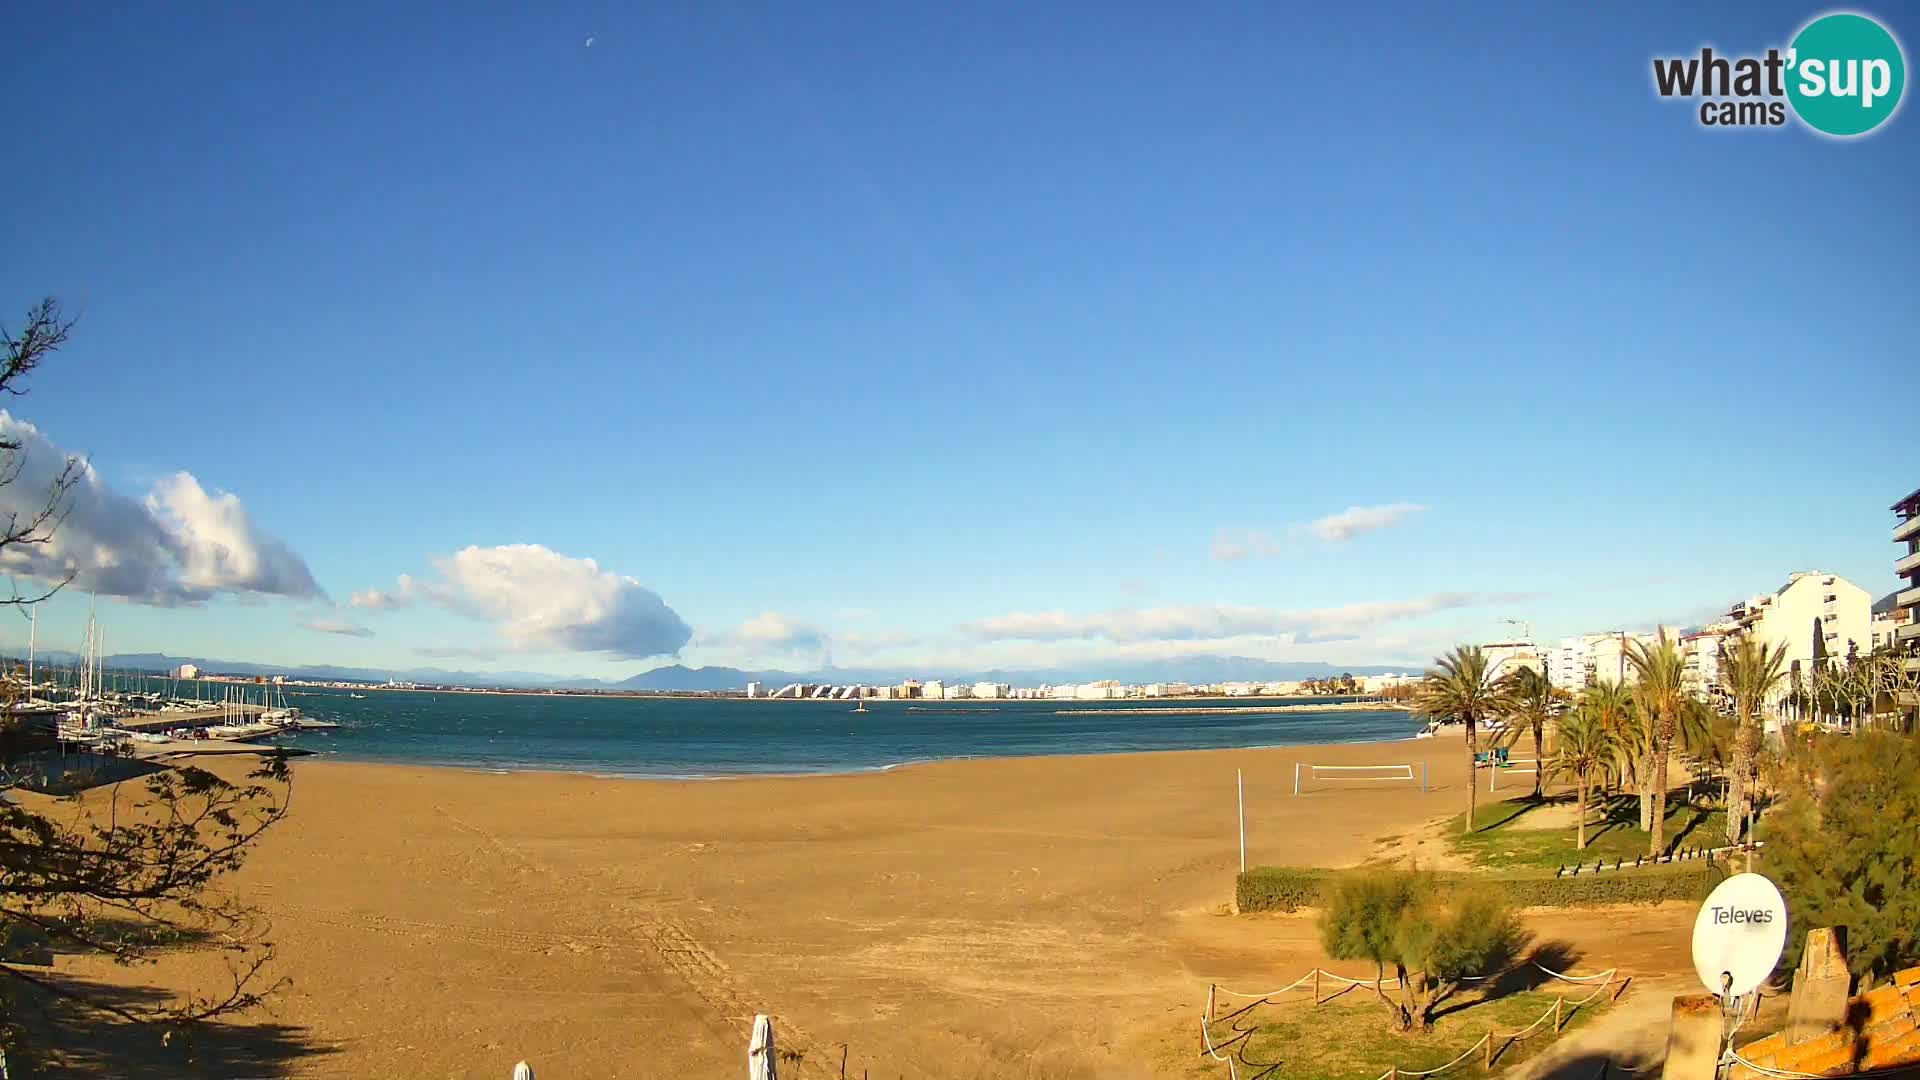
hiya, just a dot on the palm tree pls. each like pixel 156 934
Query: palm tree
pixel 1583 746
pixel 1751 674
pixel 1457 688
pixel 1612 704
pixel 1662 695
pixel 1532 702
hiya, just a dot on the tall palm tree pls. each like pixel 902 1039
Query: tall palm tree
pixel 1457 688
pixel 1752 675
pixel 1532 703
pixel 1584 747
pixel 1660 670
pixel 1612 703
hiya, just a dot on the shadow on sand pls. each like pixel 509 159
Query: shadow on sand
pixel 67 1039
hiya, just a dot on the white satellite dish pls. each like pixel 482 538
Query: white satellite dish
pixel 1739 934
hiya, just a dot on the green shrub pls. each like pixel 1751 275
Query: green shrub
pixel 1287 888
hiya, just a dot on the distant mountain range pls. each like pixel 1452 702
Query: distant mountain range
pixel 1195 669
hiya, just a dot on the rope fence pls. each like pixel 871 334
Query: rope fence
pixel 1490 1046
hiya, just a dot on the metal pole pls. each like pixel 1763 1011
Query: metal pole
pixel 1240 783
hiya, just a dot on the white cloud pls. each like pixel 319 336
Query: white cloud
pixel 334 624
pixel 1230 545
pixel 541 600
pixel 772 630
pixel 181 545
pixel 1197 622
pixel 1233 544
pixel 405 591
pixel 1355 520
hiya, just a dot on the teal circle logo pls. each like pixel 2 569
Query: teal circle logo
pixel 1845 74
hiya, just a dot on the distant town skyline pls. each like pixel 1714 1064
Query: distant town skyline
pixel 717 344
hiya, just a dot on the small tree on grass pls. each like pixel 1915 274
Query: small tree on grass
pixel 1432 937
pixel 1845 850
pixel 1583 748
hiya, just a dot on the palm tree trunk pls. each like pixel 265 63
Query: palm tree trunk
pixel 1581 843
pixel 1473 782
pixel 1539 755
pixel 1646 804
pixel 1737 784
pixel 1657 842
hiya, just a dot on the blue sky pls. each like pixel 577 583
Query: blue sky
pixel 895 334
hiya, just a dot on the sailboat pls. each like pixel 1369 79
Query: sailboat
pixel 862 707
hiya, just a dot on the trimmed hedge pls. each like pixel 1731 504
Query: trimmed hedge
pixel 1287 888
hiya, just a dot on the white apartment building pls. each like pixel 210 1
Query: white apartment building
pixel 1167 689
pixel 753 689
pixel 933 689
pixel 1814 616
pixel 1884 629
pixel 1104 690
pixel 1701 652
pixel 186 671
pixel 1505 657
pixel 990 690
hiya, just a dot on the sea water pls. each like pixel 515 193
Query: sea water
pixel 694 738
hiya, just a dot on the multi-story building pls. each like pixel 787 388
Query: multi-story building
pixel 753 689
pixel 1815 617
pixel 1506 657
pixel 1701 652
pixel 932 690
pixel 186 671
pixel 1885 629
pixel 1906 602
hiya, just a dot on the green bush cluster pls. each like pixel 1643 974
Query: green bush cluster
pixel 1286 888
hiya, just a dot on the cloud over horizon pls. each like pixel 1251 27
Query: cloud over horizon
pixel 181 545
pixel 1199 622
pixel 1357 520
pixel 1233 544
pixel 540 600
pixel 324 623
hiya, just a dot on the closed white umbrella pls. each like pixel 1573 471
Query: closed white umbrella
pixel 760 1064
pixel 523 1071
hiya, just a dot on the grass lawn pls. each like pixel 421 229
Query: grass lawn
pixel 1506 834
pixel 1351 1037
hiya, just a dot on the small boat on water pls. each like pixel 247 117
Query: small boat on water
pixel 862 707
pixel 357 697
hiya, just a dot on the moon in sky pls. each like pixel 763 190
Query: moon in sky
pixel 589 41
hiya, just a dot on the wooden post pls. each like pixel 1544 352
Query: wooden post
pixel 1210 989
pixel 1556 1014
pixel 1316 986
pixel 1489 1049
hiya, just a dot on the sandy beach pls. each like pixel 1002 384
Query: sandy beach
pixel 1046 917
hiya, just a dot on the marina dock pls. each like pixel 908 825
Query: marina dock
pixel 191 718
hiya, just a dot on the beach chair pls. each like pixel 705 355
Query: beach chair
pixel 1500 758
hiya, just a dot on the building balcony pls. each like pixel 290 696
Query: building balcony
pixel 1906 633
pixel 1907 529
pixel 1907 598
pixel 1908 565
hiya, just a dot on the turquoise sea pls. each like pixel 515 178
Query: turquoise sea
pixel 699 738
